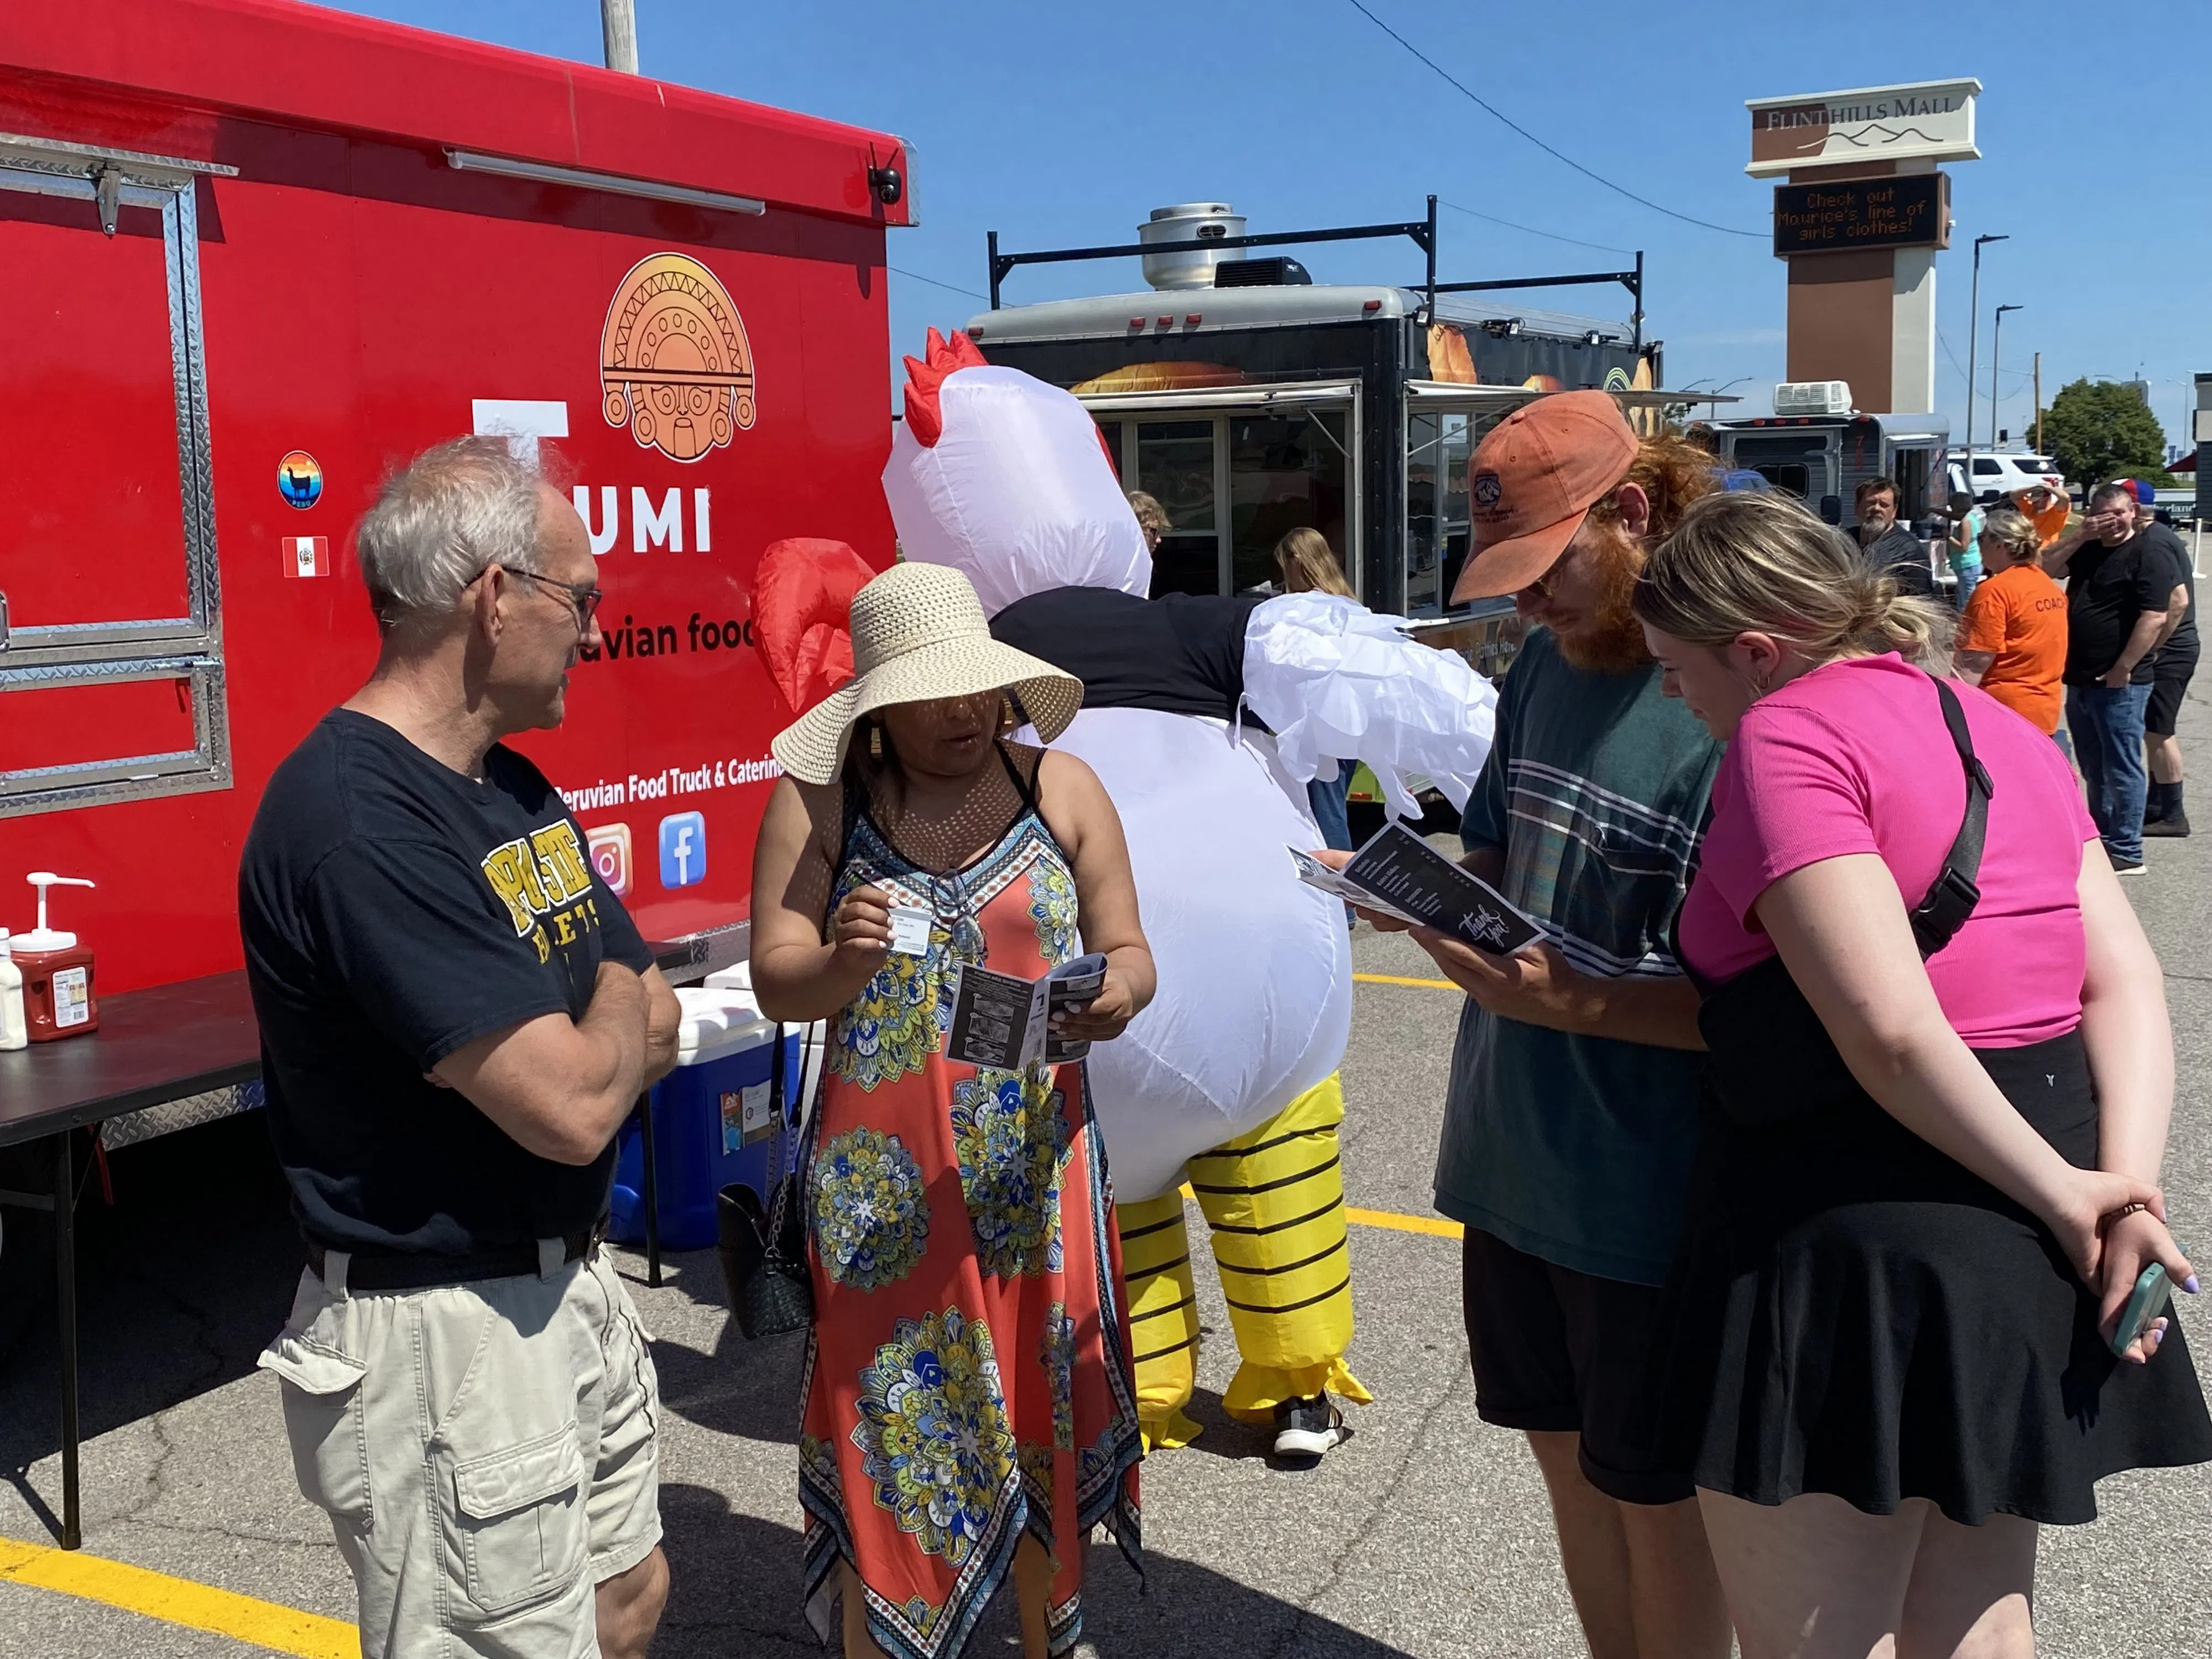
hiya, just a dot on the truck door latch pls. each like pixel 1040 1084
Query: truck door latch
pixel 107 191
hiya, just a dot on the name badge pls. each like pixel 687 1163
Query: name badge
pixel 911 930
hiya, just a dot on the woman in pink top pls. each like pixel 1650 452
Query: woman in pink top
pixel 1929 1178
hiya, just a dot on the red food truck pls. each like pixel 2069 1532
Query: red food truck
pixel 256 254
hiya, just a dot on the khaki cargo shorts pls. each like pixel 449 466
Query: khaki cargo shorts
pixel 487 1453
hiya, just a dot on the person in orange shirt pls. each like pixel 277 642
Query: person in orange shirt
pixel 2012 641
pixel 2047 508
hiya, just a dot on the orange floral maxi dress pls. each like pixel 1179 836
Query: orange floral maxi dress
pixel 968 1373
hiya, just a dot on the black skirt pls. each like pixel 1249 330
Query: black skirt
pixel 1856 1313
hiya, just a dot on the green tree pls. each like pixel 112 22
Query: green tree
pixel 2099 429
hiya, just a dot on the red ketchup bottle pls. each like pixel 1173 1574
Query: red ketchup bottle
pixel 59 999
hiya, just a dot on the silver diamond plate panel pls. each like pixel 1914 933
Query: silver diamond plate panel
pixel 187 1114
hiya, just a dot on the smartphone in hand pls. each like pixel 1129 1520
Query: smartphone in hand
pixel 2145 1304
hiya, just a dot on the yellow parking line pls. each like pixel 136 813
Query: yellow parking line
pixel 1436 1225
pixel 1393 979
pixel 1390 1219
pixel 177 1601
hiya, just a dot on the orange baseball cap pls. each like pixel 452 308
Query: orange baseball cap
pixel 1533 481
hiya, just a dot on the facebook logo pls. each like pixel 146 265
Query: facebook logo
pixel 683 849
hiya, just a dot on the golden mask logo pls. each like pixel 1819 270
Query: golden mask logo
pixel 674 362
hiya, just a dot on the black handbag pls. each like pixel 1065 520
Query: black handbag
pixel 763 1254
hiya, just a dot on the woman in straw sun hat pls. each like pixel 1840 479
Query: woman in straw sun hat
pixel 969 1410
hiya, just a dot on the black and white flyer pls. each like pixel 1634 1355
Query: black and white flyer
pixel 1399 874
pixel 1072 982
pixel 1004 1023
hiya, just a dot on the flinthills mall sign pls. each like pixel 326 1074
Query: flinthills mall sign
pixel 1919 120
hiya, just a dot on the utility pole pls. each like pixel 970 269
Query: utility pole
pixel 1973 324
pixel 2038 402
pixel 618 26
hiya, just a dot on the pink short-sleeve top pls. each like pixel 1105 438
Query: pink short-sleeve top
pixel 1854 758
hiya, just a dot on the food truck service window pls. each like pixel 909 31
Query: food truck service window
pixel 1235 480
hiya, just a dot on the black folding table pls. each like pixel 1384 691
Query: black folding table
pixel 154 1047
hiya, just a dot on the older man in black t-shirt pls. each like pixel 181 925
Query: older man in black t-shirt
pixel 2120 587
pixel 1889 544
pixel 456 1017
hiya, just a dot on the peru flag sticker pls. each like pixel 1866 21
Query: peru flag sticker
pixel 307 556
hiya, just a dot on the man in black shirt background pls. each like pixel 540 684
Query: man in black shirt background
pixel 456 1017
pixel 2121 588
pixel 2173 665
pixel 1890 545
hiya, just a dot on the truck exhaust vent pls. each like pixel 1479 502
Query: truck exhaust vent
pixel 1200 222
pixel 1281 272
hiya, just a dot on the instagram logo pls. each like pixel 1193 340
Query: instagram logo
pixel 609 849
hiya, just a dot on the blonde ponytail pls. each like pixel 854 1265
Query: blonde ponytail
pixel 2014 531
pixel 1744 562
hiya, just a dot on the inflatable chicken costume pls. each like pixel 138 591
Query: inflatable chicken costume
pixel 1204 717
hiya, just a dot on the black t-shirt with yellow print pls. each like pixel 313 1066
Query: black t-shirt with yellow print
pixel 394 911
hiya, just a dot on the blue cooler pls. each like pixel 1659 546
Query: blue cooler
pixel 718 1118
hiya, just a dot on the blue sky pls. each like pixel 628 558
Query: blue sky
pixel 1064 125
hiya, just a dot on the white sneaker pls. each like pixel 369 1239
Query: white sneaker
pixel 1306 1428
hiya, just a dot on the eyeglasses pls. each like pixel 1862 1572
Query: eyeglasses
pixel 583 599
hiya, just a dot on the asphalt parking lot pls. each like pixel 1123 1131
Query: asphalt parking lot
pixel 1425 1535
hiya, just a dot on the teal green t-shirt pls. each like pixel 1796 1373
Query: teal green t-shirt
pixel 1576 1149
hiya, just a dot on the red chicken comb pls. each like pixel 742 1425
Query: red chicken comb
pixel 926 376
pixel 802 611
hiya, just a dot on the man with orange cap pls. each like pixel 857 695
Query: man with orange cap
pixel 1573 1102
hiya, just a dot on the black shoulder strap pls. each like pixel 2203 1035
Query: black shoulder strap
pixel 1026 787
pixel 1938 917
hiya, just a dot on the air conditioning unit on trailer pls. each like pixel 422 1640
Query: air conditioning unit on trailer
pixel 1812 398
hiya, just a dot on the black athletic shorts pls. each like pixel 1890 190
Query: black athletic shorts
pixel 2169 679
pixel 1560 1352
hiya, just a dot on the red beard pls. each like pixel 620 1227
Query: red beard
pixel 1614 641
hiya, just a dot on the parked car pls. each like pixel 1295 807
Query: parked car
pixel 1996 477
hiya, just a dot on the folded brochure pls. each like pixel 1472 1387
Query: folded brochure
pixel 1005 1022
pixel 1398 874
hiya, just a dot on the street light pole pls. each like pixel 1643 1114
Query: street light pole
pixel 1973 327
pixel 618 29
pixel 1712 404
pixel 1996 335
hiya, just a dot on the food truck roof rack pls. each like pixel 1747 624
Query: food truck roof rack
pixel 1422 232
pixel 1210 311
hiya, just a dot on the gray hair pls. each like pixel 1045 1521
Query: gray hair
pixel 1743 563
pixel 454 511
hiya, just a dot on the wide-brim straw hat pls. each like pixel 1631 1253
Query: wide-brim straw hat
pixel 919 634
